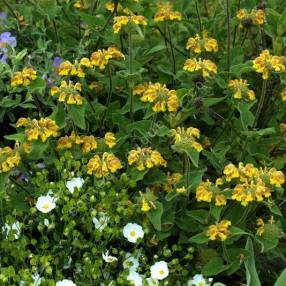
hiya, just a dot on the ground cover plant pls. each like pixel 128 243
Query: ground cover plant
pixel 142 142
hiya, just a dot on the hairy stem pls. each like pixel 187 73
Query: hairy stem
pixel 261 103
pixel 172 50
pixel 228 36
pixel 130 67
pixel 199 18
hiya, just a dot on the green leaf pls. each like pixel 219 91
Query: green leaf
pixel 59 115
pixel 37 86
pixel 249 263
pixel 38 148
pixel 267 244
pixel 246 116
pixel 214 267
pixel 281 279
pixel 199 215
pixel 77 114
pixel 199 238
pixel 155 49
pixel 155 216
pixel 3 179
pixel 20 137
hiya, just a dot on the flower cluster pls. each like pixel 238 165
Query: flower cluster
pixel 24 77
pixel 219 231
pixel 166 13
pixel 9 158
pixel 38 129
pixel 187 137
pixel 87 143
pixel 68 92
pixel 144 158
pixel 252 184
pixel 202 43
pixel 254 17
pixel 206 68
pixel 101 58
pixel 104 165
pixel 265 63
pixel 121 21
pixel 67 68
pixel 240 89
pixel 163 99
pixel 208 191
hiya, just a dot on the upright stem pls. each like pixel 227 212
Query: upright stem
pixel 199 18
pixel 235 29
pixel 228 35
pixel 130 52
pixel 110 86
pixel 186 169
pixel 261 103
pixel 172 50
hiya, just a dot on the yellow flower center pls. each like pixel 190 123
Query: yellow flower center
pixel 133 233
pixel 161 272
pixel 46 206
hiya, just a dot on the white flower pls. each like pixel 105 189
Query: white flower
pixel 199 280
pixel 152 282
pixel 159 270
pixel 37 279
pixel 135 278
pixel 14 227
pixel 131 262
pixel 101 222
pixel 65 282
pixel 132 232
pixel 74 183
pixel 108 258
pixel 45 204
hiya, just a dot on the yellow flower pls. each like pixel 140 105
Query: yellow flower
pixel 276 178
pixel 260 229
pixel 39 129
pixel 145 158
pixel 203 194
pixel 121 21
pixel 24 77
pixel 181 190
pixel 187 136
pixel 101 58
pixel 282 127
pixel 255 16
pixel 240 89
pixel 265 63
pixel 162 98
pixel 197 44
pixel 109 139
pixel 207 191
pixel 166 13
pixel 145 206
pixel 68 92
pixel 88 143
pixel 80 5
pixel 283 94
pixel 205 67
pixel 231 172
pixel 9 159
pixel 102 166
pixel 67 68
pixel 219 231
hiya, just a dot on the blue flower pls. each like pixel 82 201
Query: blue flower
pixel 6 39
pixel 57 61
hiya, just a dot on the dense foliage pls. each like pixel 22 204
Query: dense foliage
pixel 142 142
